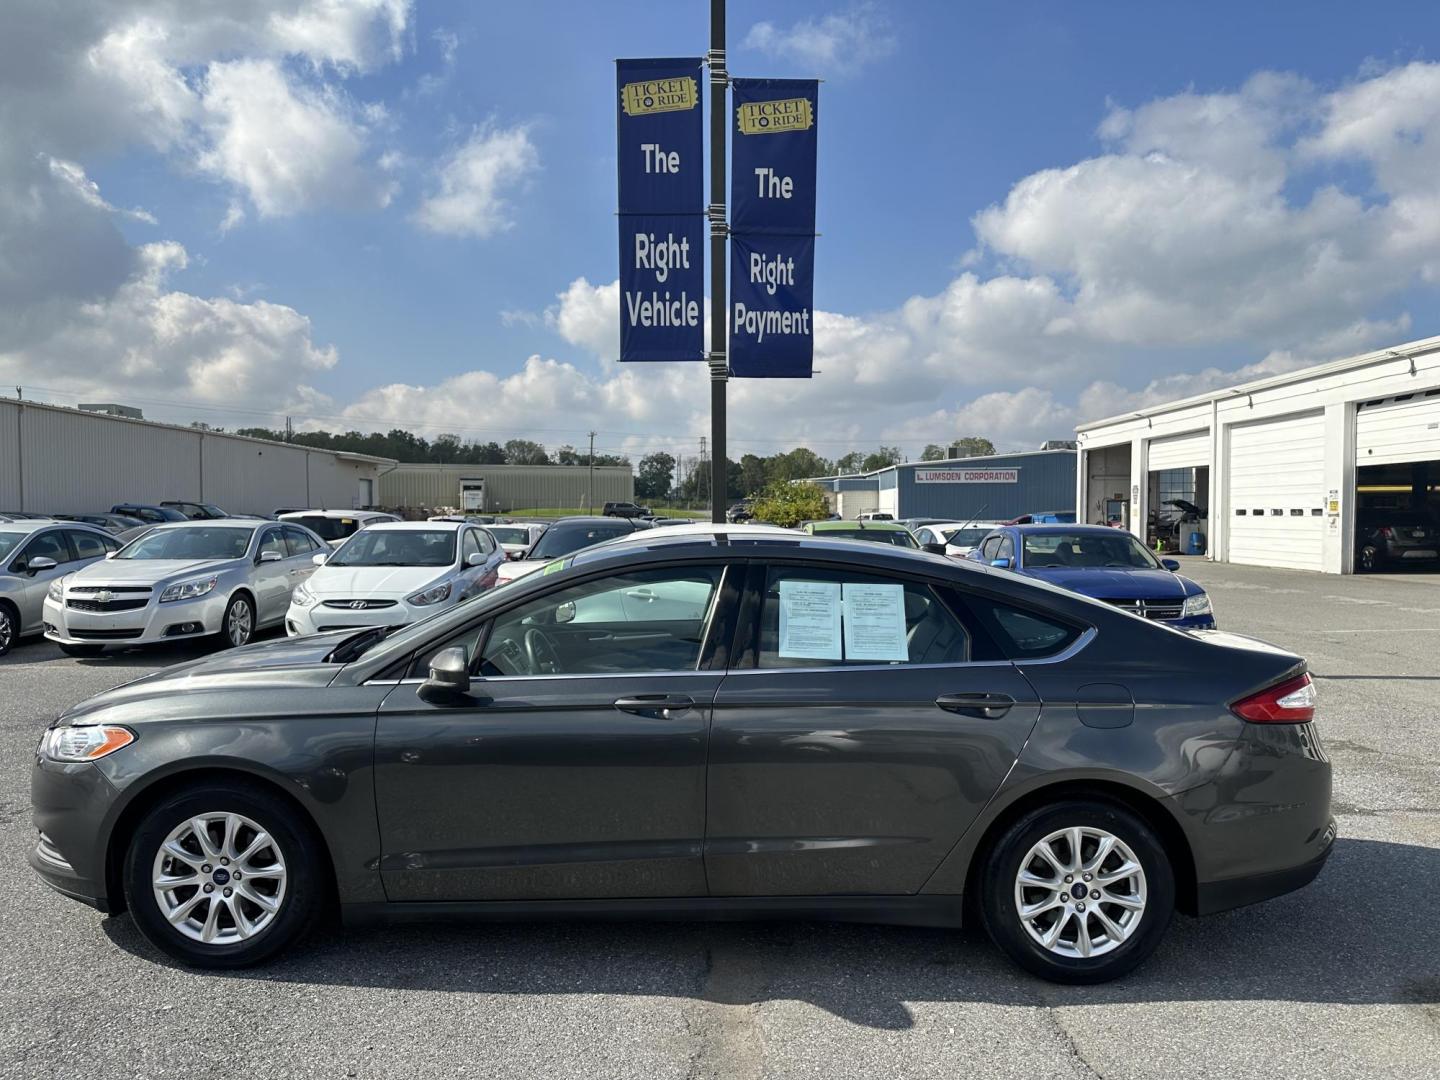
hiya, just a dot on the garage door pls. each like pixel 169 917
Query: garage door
pixel 1190 451
pixel 1398 429
pixel 1276 485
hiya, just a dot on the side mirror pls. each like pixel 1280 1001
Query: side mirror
pixel 449 676
pixel 475 559
pixel 1001 564
pixel 38 563
pixel 269 556
pixel 934 549
pixel 1170 564
pixel 319 559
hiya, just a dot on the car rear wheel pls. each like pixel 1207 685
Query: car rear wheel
pixel 1368 557
pixel 223 876
pixel 82 650
pixel 1078 892
pixel 238 625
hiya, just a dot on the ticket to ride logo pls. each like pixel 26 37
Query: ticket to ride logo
pixel 658 96
pixel 772 117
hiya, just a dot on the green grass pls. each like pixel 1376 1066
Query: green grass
pixel 576 511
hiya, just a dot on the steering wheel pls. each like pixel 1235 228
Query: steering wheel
pixel 542 655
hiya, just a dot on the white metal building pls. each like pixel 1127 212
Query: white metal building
pixel 1281 465
pixel 63 461
pixel 506 488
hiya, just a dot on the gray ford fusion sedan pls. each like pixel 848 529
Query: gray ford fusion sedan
pixel 704 726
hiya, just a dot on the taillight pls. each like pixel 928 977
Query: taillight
pixel 1289 702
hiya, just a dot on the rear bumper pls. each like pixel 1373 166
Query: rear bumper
pixel 1215 896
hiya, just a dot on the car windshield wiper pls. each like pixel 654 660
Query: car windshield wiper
pixel 357 644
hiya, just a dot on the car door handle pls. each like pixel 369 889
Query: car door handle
pixel 985 706
pixel 655 706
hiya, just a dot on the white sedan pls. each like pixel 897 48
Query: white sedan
pixel 395 573
pixel 957 538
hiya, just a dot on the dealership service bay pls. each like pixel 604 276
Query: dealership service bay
pixel 1341 979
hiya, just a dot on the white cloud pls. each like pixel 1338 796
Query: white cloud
pixel 836 44
pixel 289 148
pixel 473 184
pixel 89 192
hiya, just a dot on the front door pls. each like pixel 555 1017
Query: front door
pixel 272 577
pixel 575 768
pixel 34 584
pixel 867 731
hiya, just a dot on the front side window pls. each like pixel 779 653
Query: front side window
pixel 470 545
pixel 49 545
pixel 397 547
pixel 644 621
pixel 1006 550
pixel 829 618
pixel 273 543
pixel 991 547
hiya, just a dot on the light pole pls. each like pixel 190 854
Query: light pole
pixel 719 364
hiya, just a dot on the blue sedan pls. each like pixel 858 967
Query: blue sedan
pixel 1104 563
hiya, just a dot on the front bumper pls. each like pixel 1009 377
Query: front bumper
pixel 70 804
pixel 319 618
pixel 148 625
pixel 1192 622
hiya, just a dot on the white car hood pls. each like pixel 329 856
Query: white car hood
pixel 364 581
pixel 146 571
pixel 518 568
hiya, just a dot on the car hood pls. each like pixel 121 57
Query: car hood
pixel 1118 583
pixel 148 571
pixel 331 581
pixel 297 661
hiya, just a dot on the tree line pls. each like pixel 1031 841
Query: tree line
pixel 658 476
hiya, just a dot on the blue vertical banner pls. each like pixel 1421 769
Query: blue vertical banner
pixel 773 141
pixel 661 210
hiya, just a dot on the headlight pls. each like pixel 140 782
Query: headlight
pixel 88 743
pixel 188 590
pixel 57 589
pixel 302 596
pixel 432 595
pixel 1199 604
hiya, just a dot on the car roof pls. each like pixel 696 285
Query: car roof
pixel 1069 529
pixel 699 529
pixel 212 523
pixel 596 519
pixel 29 525
pixel 760 541
pixel 869 523
pixel 444 525
pixel 331 514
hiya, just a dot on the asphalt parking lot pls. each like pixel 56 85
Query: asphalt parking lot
pixel 1339 980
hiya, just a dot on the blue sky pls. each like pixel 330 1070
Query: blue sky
pixel 1014 206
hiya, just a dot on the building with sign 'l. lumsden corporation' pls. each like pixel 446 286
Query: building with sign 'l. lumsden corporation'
pixel 997 487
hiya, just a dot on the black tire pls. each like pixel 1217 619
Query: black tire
pixel 1369 558
pixel 998 888
pixel 82 650
pixel 9 629
pixel 300 850
pixel 224 637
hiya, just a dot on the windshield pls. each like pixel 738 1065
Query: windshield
pixel 201 542
pixel 397 547
pixel 510 535
pixel 565 539
pixel 967 537
pixel 1059 549
pixel 898 537
pixel 9 541
pixel 329 528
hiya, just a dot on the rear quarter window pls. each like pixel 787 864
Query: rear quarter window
pixel 1023 633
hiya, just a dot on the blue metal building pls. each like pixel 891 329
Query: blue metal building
pixel 993 488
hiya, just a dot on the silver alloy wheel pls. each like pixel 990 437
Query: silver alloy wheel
pixel 238 624
pixel 1080 892
pixel 219 878
pixel 7 629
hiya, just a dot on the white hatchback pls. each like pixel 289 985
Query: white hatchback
pixel 395 573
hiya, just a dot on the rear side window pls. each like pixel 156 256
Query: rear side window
pixel 1022 633
pixel 297 543
pixel 90 545
pixel 829 618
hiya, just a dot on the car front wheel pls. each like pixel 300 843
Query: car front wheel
pixel 1078 892
pixel 9 629
pixel 223 876
pixel 238 625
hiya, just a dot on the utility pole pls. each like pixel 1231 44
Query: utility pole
pixel 719 362
pixel 701 480
pixel 289 430
pixel 590 483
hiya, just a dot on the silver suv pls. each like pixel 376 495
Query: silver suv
pixel 33 553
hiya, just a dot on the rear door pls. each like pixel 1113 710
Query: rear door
pixel 862 728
